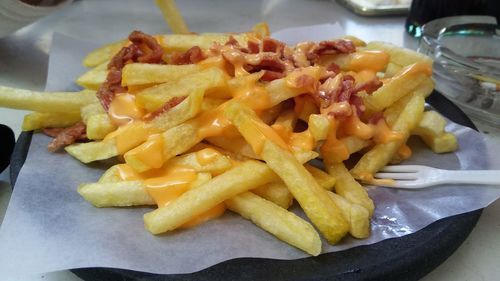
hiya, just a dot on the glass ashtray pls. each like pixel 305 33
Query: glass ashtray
pixel 466 68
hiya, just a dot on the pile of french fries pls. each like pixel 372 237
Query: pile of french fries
pixel 239 143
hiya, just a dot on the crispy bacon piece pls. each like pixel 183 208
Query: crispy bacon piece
pixel 66 136
pixel 270 75
pixel 272 45
pixel 144 48
pixel 152 51
pixel 347 89
pixel 171 103
pixel 334 68
pixel 253 47
pixel 369 86
pixel 193 55
pixel 377 116
pixel 330 48
pixel 232 41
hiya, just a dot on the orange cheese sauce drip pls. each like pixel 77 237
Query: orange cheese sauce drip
pixel 383 134
pixel 368 178
pixel 151 152
pixel 123 110
pixel 404 152
pixel 247 90
pixel 352 126
pixel 333 149
pixel 302 141
pixel 369 60
pixel 207 156
pixel 213 123
pixel 129 136
pixel 167 184
pixel 171 185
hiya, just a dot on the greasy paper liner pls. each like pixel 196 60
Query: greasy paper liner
pixel 49 227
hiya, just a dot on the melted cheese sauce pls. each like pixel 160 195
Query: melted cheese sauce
pixel 123 110
pixel 369 60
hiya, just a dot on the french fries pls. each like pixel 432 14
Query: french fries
pixel 204 122
pixel 283 224
pixel 45 102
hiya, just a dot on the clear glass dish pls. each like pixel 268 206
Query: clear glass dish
pixel 466 67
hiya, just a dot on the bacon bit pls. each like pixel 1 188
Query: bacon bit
pixel 272 45
pixel 65 136
pixel 171 103
pixel 144 48
pixel 232 41
pixel 347 89
pixel 376 117
pixel 357 102
pixel 253 47
pixel 152 51
pixel 330 48
pixel 270 75
pixel 127 53
pixel 193 55
pixel 307 82
pixel 369 86
pixel 52 132
pixel 333 67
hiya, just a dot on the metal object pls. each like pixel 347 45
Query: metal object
pixel 376 9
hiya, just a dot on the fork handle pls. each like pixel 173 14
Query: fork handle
pixel 474 177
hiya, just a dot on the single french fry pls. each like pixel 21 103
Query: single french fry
pixel 180 113
pixel 441 144
pixel 172 16
pixel 111 175
pixel 145 73
pixel 319 126
pixel 382 153
pixel 39 120
pixel 94 78
pixel 92 151
pixel 391 70
pixel 347 187
pixel 241 178
pixel 402 84
pixel 283 224
pixel 103 54
pixel 60 102
pixel 276 192
pixel 91 109
pixel 98 126
pixel 431 124
pixel 325 180
pixel 357 216
pixel 398 55
pixel 183 42
pixel 116 194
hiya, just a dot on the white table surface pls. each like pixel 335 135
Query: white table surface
pixel 24 58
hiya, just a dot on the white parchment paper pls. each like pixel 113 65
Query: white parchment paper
pixel 49 227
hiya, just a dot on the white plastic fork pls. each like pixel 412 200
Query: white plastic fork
pixel 418 176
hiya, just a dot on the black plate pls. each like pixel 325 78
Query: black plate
pixel 406 258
